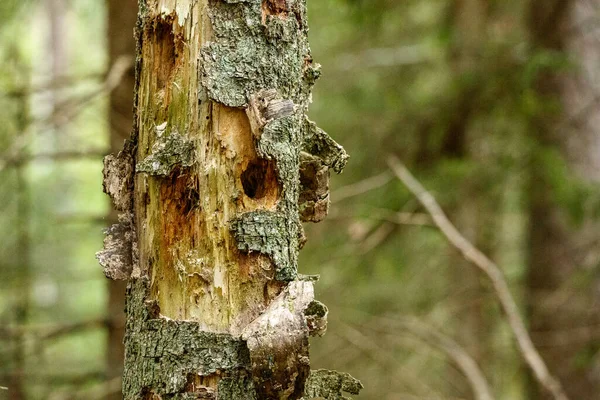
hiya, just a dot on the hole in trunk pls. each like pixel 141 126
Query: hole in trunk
pixel 259 179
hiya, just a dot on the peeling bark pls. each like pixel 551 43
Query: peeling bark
pixel 116 257
pixel 278 344
pixel 211 187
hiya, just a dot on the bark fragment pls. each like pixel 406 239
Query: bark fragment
pixel 316 318
pixel 164 352
pixel 265 106
pixel 117 256
pixel 278 343
pixel 168 153
pixel 313 202
pixel 250 54
pixel 118 178
pixel 318 143
pixel 331 385
pixel 267 233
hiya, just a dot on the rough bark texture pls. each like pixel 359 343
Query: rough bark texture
pixel 564 252
pixel 209 189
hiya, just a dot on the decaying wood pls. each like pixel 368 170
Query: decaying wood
pixel 222 165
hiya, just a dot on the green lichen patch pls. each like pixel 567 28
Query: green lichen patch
pixel 318 143
pixel 248 55
pixel 316 318
pixel 331 385
pixel 164 352
pixel 267 233
pixel 168 152
pixel 238 385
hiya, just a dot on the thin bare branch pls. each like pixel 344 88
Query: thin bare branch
pixel 378 214
pixel 494 273
pixel 19 159
pixel 434 338
pixel 48 332
pixel 383 357
pixel 72 107
pixel 360 187
pixel 377 237
pixel 384 57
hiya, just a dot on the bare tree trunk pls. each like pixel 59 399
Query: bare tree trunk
pixel 210 190
pixel 22 307
pixel 469 20
pixel 17 385
pixel 122 16
pixel 58 54
pixel 563 281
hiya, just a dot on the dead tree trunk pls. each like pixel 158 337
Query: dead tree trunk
pixel 222 165
pixel 563 266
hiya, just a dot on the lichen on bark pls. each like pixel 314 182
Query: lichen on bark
pixel 170 151
pixel 162 353
pixel 253 51
pixel 268 233
pixel 331 385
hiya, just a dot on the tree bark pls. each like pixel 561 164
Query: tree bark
pixel 122 16
pixel 562 282
pixel 210 189
pixel 17 384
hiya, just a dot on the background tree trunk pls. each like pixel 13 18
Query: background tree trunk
pixel 122 16
pixel 563 229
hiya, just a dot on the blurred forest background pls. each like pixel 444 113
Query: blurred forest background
pixel 493 104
